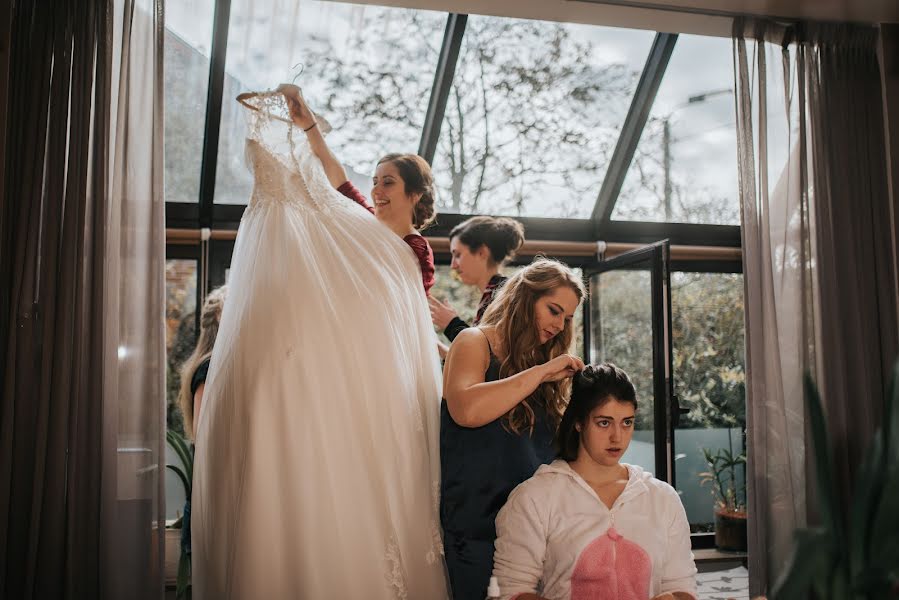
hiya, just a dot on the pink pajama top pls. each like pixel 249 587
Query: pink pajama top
pixel 556 538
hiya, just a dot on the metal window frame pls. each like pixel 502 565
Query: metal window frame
pixel 213 121
pixel 641 104
pixel 443 81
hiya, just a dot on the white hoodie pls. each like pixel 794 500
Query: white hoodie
pixel 556 538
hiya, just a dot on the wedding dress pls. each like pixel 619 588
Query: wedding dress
pixel 317 466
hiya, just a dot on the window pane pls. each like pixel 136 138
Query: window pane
pixel 685 166
pixel 533 116
pixel 180 308
pixel 188 39
pixel 180 334
pixel 367 69
pixel 621 302
pixel 709 380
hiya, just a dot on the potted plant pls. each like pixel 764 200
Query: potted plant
pixel 853 552
pixel 184 450
pixel 729 490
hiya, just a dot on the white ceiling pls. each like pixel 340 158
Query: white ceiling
pixel 708 17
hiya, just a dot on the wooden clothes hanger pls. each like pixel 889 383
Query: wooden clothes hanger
pixel 245 97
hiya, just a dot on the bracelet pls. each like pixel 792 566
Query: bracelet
pixel 311 126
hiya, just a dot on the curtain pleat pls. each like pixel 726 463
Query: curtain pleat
pixel 68 526
pixel 819 263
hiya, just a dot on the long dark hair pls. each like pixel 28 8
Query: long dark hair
pixel 592 387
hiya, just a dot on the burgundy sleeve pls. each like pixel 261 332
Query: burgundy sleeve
pixel 352 192
pixel 425 256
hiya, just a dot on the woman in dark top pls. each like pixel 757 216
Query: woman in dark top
pixel 193 382
pixel 506 383
pixel 479 247
pixel 402 187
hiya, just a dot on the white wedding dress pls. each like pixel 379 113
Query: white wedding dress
pixel 317 466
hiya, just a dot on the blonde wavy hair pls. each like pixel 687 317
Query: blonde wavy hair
pixel 210 317
pixel 513 315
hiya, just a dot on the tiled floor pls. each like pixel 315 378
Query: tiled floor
pixel 732 584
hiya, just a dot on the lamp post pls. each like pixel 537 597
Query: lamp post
pixel 666 140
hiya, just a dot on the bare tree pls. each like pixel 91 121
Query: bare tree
pixel 532 111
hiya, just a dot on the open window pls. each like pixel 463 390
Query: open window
pixel 629 324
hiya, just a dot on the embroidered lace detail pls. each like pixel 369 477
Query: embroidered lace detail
pixel 396 578
pixel 435 550
pixel 282 162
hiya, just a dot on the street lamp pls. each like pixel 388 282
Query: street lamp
pixel 666 139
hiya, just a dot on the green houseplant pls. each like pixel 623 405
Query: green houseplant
pixel 854 552
pixel 184 471
pixel 729 490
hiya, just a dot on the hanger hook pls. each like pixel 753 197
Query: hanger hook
pixel 301 68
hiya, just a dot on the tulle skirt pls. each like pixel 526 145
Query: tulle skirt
pixel 317 464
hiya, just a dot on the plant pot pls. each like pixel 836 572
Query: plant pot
pixel 172 554
pixel 730 531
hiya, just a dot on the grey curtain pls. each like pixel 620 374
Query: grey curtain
pixel 81 306
pixel 819 262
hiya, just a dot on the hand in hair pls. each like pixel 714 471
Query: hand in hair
pixel 561 367
pixel 441 314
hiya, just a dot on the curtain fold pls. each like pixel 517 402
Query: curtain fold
pixel 81 269
pixel 819 267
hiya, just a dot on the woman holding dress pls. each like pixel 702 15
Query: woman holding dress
pixel 402 186
pixel 317 467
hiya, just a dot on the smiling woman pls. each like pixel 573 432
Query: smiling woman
pixel 402 186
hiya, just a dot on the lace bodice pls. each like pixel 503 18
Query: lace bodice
pixel 284 168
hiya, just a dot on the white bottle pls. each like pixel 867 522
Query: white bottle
pixel 493 589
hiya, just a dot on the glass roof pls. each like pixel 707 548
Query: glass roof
pixel 685 166
pixel 533 113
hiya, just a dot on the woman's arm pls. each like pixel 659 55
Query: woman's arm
pixel 520 547
pixel 471 401
pixel 198 400
pixel 446 319
pixel 679 570
pixel 304 118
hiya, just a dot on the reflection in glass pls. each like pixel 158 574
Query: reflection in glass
pixel 709 381
pixel 621 333
pixel 367 69
pixel 685 166
pixel 180 330
pixel 533 115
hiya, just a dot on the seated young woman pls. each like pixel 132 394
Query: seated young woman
pixel 587 526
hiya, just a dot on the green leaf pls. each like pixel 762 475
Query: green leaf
pixel 183 451
pixel 865 498
pixel 884 544
pixel 809 563
pixel 891 421
pixel 184 480
pixel 827 496
pixel 182 583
